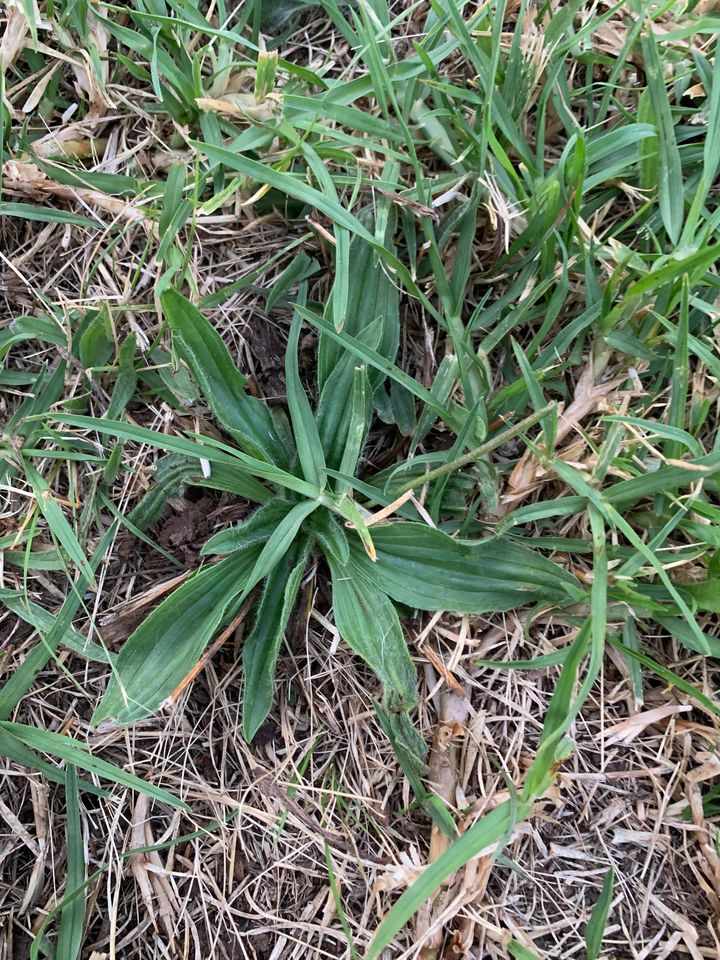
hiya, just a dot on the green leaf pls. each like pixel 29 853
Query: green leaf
pixel 162 441
pixel 711 156
pixel 294 185
pixel 256 529
pixel 172 196
pixel 288 183
pixel 411 750
pixel 347 508
pixel 212 450
pixel 126 382
pixel 445 379
pixel 72 917
pixel 670 677
pixel 300 268
pixel 24 675
pixel 72 751
pixel 158 656
pixel 561 711
pixel 357 428
pixel 16 751
pixel 369 623
pixel 247 419
pixel 670 181
pixel 43 621
pixel 681 631
pixel 335 408
pixel 518 952
pixel 268 471
pixel 454 418
pixel 426 569
pixel 29 211
pixel 338 303
pixel 96 343
pixel 330 536
pixel 275 13
pixel 307 438
pixel 278 543
pixel 262 646
pixel 598 501
pixel 598 920
pixel 705 594
pixel 232 480
pixel 45 329
pixel 173 472
pixel 59 527
pixel 375 303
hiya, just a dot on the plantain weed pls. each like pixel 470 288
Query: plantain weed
pixel 300 468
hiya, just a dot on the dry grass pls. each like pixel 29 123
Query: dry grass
pixel 321 781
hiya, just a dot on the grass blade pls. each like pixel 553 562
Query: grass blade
pixel 598 920
pixel 72 918
pixel 670 178
pixel 59 527
pixel 65 748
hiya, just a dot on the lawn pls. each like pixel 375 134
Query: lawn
pixel 359 513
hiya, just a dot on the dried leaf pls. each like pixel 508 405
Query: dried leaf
pixel 20 177
pixel 242 105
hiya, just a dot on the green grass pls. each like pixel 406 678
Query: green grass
pixel 547 218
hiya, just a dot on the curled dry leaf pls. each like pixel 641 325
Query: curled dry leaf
pixel 94 90
pixel 627 730
pixel 150 873
pixel 70 143
pixel 400 875
pixel 709 767
pixel 38 90
pixel 243 105
pixel 19 177
pixel 16 32
pixel 39 792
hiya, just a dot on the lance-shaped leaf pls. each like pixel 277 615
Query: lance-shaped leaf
pixel 165 647
pixel 278 544
pixel 173 472
pixel 248 420
pixel 256 529
pixel 309 447
pixel 262 646
pixel 335 408
pixel 360 409
pixel 373 296
pixel 426 569
pixel 331 537
pixel 368 622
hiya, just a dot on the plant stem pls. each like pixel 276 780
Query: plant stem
pixel 482 450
